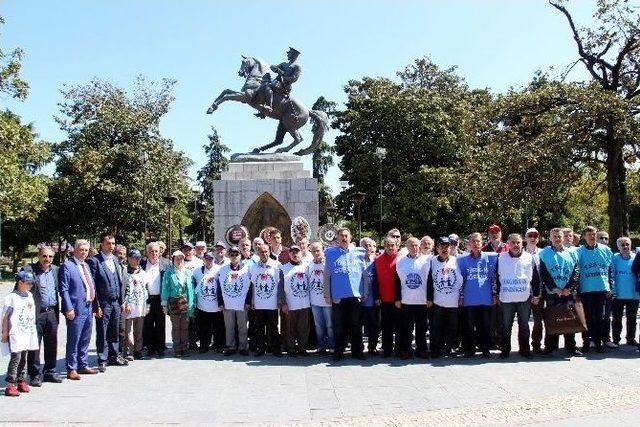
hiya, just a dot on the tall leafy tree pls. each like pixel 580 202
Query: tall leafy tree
pixel 216 163
pixel 610 52
pixel 322 160
pixel 114 168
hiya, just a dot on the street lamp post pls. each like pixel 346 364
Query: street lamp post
pixel 203 211
pixel 170 200
pixel 381 153
pixel 357 198
pixel 144 157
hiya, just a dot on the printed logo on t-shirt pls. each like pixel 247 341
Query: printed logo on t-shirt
pixel 413 281
pixel 208 291
pixel 298 285
pixel 265 285
pixel 233 285
pixel 317 281
pixel 444 279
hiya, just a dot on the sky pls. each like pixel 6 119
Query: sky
pixel 495 44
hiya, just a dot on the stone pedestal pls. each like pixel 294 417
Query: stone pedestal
pixel 265 190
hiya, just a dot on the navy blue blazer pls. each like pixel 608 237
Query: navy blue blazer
pixel 73 294
pixel 107 284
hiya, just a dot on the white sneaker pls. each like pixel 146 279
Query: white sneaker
pixel 611 344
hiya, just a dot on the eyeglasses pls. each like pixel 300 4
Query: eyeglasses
pixel 604 238
pixel 396 236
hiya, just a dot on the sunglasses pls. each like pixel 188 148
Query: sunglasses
pixel 396 236
pixel 604 238
pixel 534 235
pixel 46 256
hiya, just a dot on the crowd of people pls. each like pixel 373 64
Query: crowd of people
pixel 420 298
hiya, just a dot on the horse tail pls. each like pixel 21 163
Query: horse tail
pixel 320 125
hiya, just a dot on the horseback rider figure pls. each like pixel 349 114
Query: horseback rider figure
pixel 288 73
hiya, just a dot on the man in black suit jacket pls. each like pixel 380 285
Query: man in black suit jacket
pixel 45 296
pixel 153 332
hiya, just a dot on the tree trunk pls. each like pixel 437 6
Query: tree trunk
pixel 618 206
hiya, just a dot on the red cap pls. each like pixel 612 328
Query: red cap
pixel 494 228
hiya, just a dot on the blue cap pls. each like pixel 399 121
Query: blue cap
pixel 134 253
pixel 186 245
pixel 444 240
pixel 209 255
pixel 24 276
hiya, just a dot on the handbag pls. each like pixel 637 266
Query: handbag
pixel 178 305
pixel 564 319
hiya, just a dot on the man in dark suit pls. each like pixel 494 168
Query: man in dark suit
pixel 78 296
pixel 104 268
pixel 153 331
pixel 45 296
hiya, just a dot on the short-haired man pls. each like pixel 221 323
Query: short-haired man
pixel 190 260
pixel 78 298
pixel 625 294
pixel 264 277
pixel 45 296
pixel 208 316
pixel 279 252
pixel 518 286
pixel 602 237
pixel 370 307
pixel 154 327
pixel 426 245
pixel 320 308
pixel 594 262
pixel 479 294
pixel 293 295
pixel 444 288
pixel 234 298
pixel 104 268
pixel 412 272
pixel 201 249
pixel 386 278
pixel 495 243
pixel 559 275
pixel 220 252
pixel 344 266
pixel 567 239
pixel 532 239
pixel 303 244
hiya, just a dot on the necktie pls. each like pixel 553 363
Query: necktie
pixel 87 278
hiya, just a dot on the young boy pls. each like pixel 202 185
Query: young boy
pixel 136 305
pixel 19 331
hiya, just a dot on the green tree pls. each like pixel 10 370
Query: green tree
pixel 217 163
pixel 10 65
pixel 115 167
pixel 610 52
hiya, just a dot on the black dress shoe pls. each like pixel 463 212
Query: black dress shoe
pixel 36 381
pixel 102 367
pixel 52 378
pixel 116 361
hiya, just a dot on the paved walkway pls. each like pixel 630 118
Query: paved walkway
pixel 595 390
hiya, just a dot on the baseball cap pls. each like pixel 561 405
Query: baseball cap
pixel 220 243
pixel 454 238
pixel 134 253
pixel 177 253
pixel 494 228
pixel 532 230
pixel 201 244
pixel 209 255
pixel 24 276
pixel 294 248
pixel 186 245
pixel 234 249
pixel 444 240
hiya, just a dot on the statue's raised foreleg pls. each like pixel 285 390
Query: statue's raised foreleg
pixel 226 95
pixel 277 141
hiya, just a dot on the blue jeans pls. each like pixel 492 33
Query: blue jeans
pixel 324 326
pixel 509 311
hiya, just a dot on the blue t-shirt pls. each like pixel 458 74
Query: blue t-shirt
pixel 594 268
pixel 345 268
pixel 478 277
pixel 623 278
pixel 560 265
pixel 369 276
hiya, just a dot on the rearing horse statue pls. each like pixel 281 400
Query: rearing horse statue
pixel 290 113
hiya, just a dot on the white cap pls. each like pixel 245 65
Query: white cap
pixel 177 253
pixel 531 230
pixel 201 244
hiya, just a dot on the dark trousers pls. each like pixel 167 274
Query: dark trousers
pixel 606 324
pixel 108 331
pixel 209 329
pixel 15 370
pixel 538 324
pixel 266 330
pixel 78 338
pixel 370 317
pixel 444 329
pixel 251 329
pixel 496 325
pixel 630 307
pixel 154 329
pixel 552 342
pixel 414 316
pixel 346 323
pixel 478 328
pixel 509 311
pixel 593 303
pixel 389 325
pixel 297 326
pixel 47 326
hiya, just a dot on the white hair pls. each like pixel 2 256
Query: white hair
pixel 152 245
pixel 81 242
pixel 622 239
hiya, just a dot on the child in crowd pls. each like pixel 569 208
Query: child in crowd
pixel 19 331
